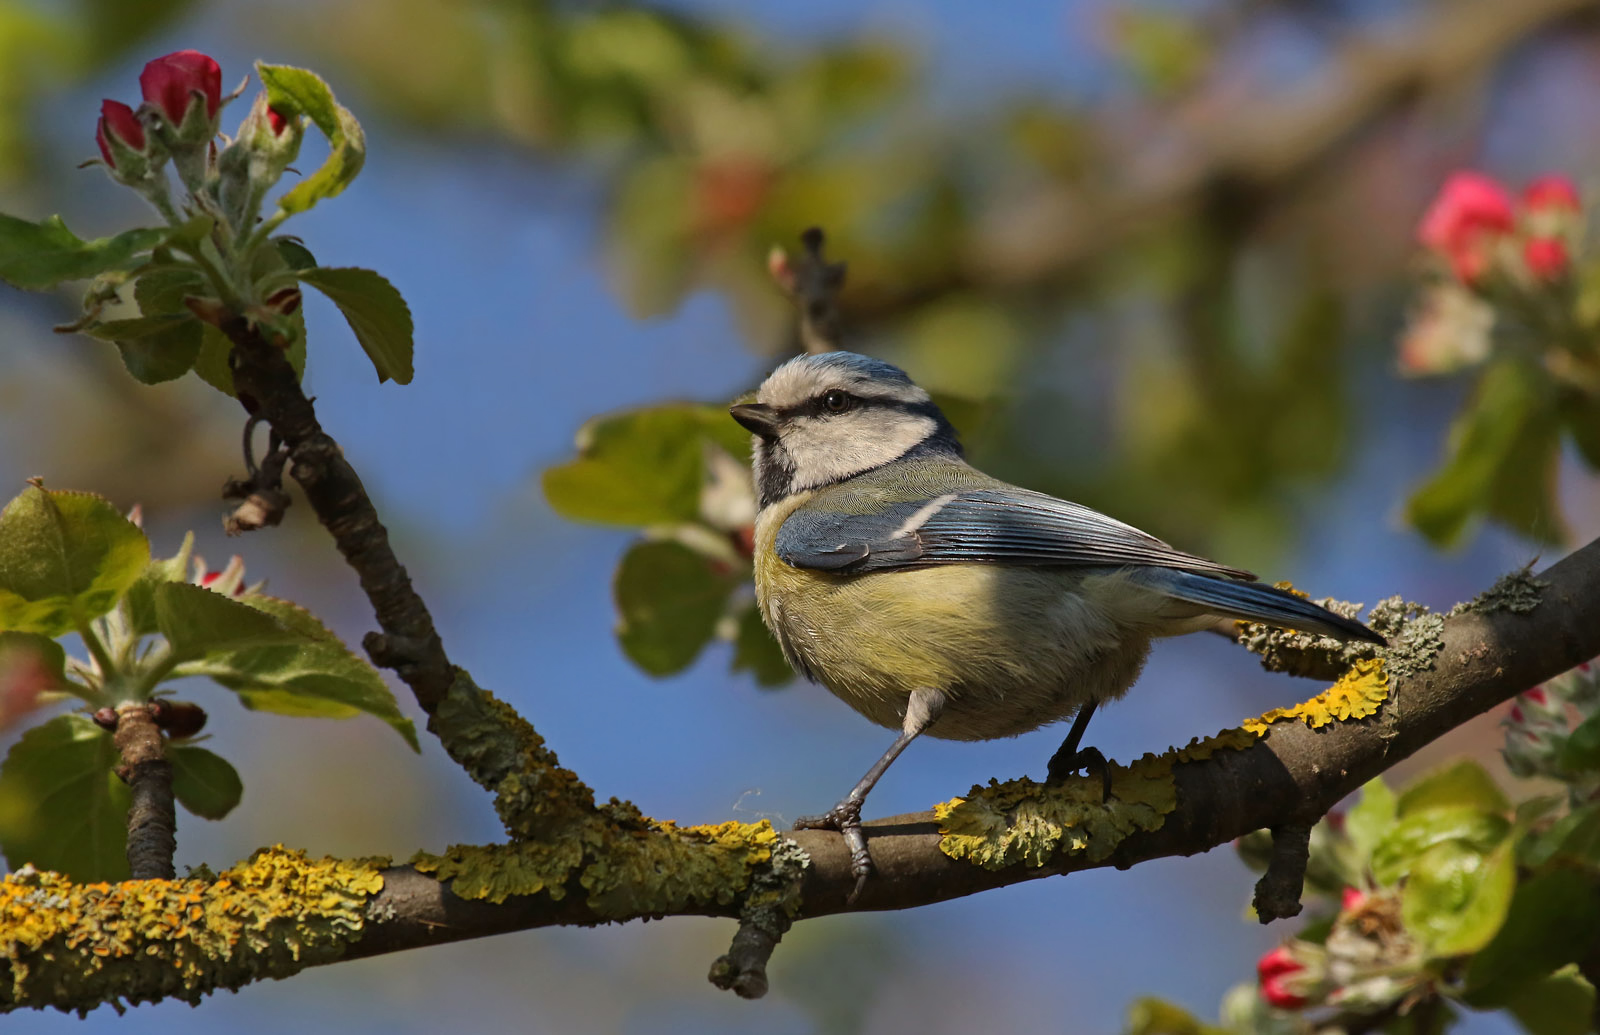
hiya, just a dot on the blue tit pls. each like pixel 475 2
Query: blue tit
pixel 935 599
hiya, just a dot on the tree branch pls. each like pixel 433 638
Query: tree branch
pixel 152 816
pixel 1510 639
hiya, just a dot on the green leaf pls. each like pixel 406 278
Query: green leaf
pixel 1581 414
pixel 162 291
pixel 318 676
pixel 755 649
pixel 1503 452
pixel 643 467
pixel 1371 819
pixel 36 256
pixel 203 782
pixel 61 806
pixel 29 665
pixel 1574 837
pixel 154 348
pixel 1461 784
pixel 212 362
pixel 1562 1004
pixel 376 313
pixel 1151 1016
pixel 1551 923
pixel 295 255
pixel 65 558
pixel 139 603
pixel 197 621
pixel 1456 898
pixel 1477 831
pixel 669 599
pixel 1581 752
pixel 300 91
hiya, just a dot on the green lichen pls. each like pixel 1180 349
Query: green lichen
pixel 1359 693
pixel 1515 591
pixel 1021 822
pixel 628 866
pixel 533 794
pixel 1305 654
pixel 773 900
pixel 1415 635
pixel 76 946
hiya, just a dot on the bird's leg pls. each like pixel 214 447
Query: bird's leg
pixel 1070 758
pixel 923 707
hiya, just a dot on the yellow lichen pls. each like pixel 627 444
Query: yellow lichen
pixel 1028 823
pixel 75 946
pixel 1358 694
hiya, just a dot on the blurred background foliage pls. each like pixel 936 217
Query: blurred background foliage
pixel 1156 256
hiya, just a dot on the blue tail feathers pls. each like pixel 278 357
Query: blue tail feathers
pixel 1254 602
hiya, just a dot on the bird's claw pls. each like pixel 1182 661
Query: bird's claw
pixel 845 817
pixel 1090 759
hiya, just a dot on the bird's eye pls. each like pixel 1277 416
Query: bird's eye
pixel 836 401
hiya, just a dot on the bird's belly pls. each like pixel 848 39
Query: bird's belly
pixel 1012 648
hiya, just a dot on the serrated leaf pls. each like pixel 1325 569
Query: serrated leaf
pixel 1551 923
pixel 139 603
pixel 668 601
pixel 1460 784
pixel 36 256
pixel 643 467
pixel 1502 456
pixel 318 676
pixel 204 783
pixel 154 348
pixel 755 650
pixel 197 621
pixel 1476 831
pixel 65 558
pixel 376 313
pixel 61 806
pixel 302 92
pixel 296 256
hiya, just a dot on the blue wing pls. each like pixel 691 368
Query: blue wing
pixel 1000 525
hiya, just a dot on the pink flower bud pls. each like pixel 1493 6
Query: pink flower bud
pixel 170 83
pixel 118 120
pixel 1277 962
pixel 1279 996
pixel 1546 257
pixel 1551 191
pixel 1537 695
pixel 1351 900
pixel 1462 224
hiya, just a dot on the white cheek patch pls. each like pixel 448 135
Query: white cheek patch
pixel 827 451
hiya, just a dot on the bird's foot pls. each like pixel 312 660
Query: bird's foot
pixel 845 817
pixel 1063 765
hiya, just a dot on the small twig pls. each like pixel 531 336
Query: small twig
pixel 744 968
pixel 1278 891
pixel 152 819
pixel 813 285
pixel 264 500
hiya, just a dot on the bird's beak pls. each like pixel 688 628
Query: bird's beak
pixel 758 417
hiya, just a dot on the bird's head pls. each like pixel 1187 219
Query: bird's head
pixel 820 419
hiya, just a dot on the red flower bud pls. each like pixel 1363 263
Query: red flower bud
pixel 1277 963
pixel 118 120
pixel 1552 191
pixel 1546 257
pixel 1276 995
pixel 277 121
pixel 1537 694
pixel 1351 899
pixel 1462 223
pixel 170 82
